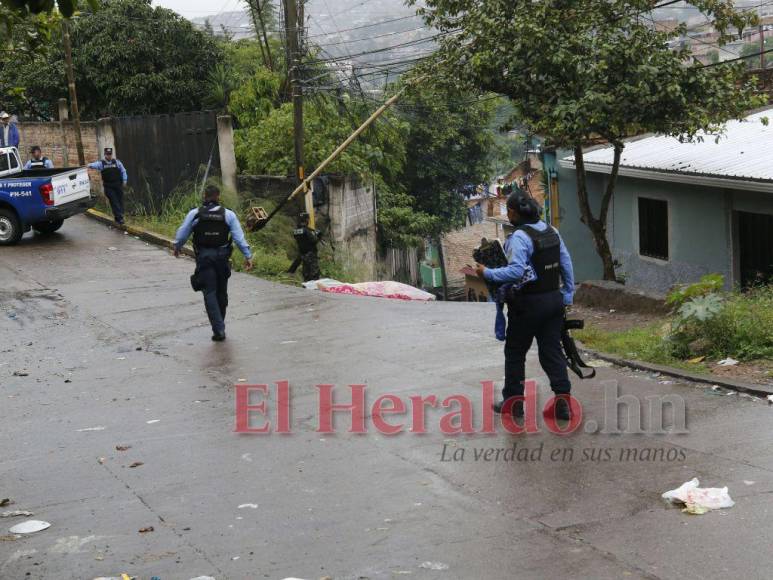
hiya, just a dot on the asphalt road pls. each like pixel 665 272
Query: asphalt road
pixel 113 350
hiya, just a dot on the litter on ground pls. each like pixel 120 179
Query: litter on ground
pixel 699 500
pixel 598 363
pixel 29 527
pixel 727 362
pixel 433 566
pixel 15 514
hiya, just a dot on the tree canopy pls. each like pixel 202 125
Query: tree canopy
pixel 129 58
pixel 583 70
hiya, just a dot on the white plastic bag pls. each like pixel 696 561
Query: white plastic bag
pixel 699 500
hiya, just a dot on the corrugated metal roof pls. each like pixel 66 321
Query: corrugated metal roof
pixel 744 152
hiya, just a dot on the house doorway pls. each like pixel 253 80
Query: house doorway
pixel 755 248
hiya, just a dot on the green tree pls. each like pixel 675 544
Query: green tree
pixel 752 51
pixel 129 58
pixel 451 144
pixel 13 12
pixel 581 70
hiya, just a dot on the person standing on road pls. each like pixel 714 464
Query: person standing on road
pixel 114 178
pixel 38 161
pixel 537 309
pixel 307 240
pixel 9 132
pixel 215 229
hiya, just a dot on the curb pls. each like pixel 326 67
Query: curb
pixel 141 233
pixel 740 386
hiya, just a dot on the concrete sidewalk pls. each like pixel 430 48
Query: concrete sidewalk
pixel 116 352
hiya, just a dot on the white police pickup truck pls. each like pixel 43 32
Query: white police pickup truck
pixel 39 199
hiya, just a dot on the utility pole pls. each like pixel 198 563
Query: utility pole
pixel 76 117
pixel 294 36
pixel 762 46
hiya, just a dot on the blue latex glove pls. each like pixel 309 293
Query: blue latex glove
pixel 500 324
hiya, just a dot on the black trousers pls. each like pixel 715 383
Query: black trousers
pixel 114 194
pixel 310 262
pixel 214 269
pixel 539 316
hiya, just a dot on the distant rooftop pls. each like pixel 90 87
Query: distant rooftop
pixel 741 154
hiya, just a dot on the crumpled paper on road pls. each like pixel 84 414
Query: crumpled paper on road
pixel 698 500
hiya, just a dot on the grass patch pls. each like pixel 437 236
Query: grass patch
pixel 648 343
pixel 274 247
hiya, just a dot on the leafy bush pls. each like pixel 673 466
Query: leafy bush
pixel 744 327
pixel 738 325
pixel 708 284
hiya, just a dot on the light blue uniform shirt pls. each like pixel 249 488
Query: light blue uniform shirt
pixel 519 249
pixel 237 234
pixel 99 166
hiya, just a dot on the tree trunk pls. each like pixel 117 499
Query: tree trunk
pixel 259 10
pixel 255 26
pixel 598 225
pixel 442 258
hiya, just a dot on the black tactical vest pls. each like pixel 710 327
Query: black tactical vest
pixel 211 230
pixel 306 239
pixel 111 173
pixel 38 163
pixel 546 260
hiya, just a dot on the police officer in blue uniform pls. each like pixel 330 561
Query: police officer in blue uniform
pixel 537 309
pixel 38 161
pixel 214 230
pixel 114 178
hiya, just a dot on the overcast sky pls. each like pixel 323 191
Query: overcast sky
pixel 196 8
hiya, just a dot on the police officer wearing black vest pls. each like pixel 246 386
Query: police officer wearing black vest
pixel 37 161
pixel 214 230
pixel 114 178
pixel 307 240
pixel 537 309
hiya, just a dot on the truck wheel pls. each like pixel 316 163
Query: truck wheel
pixel 10 228
pixel 44 228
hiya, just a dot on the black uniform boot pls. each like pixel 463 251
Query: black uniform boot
pixel 563 412
pixel 517 409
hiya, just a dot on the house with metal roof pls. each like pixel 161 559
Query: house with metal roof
pixel 680 209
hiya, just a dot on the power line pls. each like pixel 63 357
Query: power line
pixel 396 46
pixel 395 33
pixel 740 58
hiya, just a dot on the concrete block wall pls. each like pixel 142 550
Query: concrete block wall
pixel 49 137
pixel 351 209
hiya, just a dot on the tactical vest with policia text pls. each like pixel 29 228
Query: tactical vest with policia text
pixel 546 260
pixel 211 230
pixel 306 239
pixel 38 163
pixel 111 173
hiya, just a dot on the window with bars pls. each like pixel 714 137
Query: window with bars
pixel 653 228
